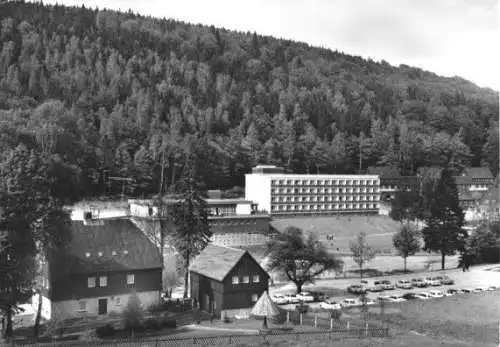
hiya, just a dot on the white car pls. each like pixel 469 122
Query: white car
pixel 436 294
pixel 349 303
pixel 422 296
pixel 330 304
pixel 451 292
pixel 492 288
pixel 433 281
pixel 279 299
pixel 397 298
pixel 478 289
pixel 292 299
pixel 404 284
pixel 305 296
pixel 385 298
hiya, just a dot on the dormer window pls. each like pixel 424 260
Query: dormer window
pixel 87 255
pixel 99 254
pixel 125 252
pixel 113 253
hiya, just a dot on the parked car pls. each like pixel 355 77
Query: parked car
pixel 492 288
pixel 370 302
pixel 419 283
pixel 292 299
pixel 330 304
pixel 305 297
pixel 349 303
pixel 356 289
pixel 404 284
pixel 451 292
pixel 385 298
pixel 433 281
pixel 447 281
pixel 410 296
pixel 465 290
pixel 423 296
pixel 371 286
pixel 319 296
pixel 279 299
pixel 436 294
pixel 386 284
pixel 397 298
pixel 478 290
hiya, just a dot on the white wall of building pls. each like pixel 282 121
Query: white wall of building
pixel 77 212
pixel 258 190
pixel 243 209
pixel 89 306
pixel 46 305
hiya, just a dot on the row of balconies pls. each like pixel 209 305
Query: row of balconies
pixel 324 182
pixel 323 190
pixel 326 198
pixel 323 207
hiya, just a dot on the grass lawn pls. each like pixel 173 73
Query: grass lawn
pixel 463 320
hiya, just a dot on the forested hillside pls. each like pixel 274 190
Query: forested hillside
pixel 115 92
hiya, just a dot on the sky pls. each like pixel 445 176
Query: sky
pixel 448 37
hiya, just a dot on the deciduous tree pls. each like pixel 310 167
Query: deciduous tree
pixel 299 257
pixel 362 252
pixel 406 241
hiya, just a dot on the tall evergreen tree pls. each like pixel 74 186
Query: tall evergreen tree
pixel 444 231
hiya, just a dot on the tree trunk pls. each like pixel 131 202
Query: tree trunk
pixel 299 286
pixel 186 277
pixel 405 263
pixel 361 271
pixel 442 260
pixel 8 330
pixel 36 327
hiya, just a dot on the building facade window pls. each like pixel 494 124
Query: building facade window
pixel 236 280
pixel 130 279
pixel 83 305
pixel 91 282
pixel 103 281
pixel 255 297
pixel 246 279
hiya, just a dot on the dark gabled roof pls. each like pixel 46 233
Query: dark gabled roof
pixel 478 172
pixel 383 171
pixel 216 262
pixel 106 245
pixel 463 180
pixel 474 196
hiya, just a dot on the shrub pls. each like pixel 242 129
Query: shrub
pixel 107 330
pixel 152 324
pixel 335 314
pixel 301 308
pixel 132 315
pixel 157 308
pixel 168 322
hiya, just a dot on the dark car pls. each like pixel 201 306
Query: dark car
pixel 410 296
pixel 318 296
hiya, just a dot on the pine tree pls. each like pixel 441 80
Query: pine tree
pixel 444 231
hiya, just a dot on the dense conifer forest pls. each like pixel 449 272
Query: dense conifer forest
pixel 117 94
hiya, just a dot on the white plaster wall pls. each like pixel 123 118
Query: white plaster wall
pixel 77 213
pixel 243 209
pixel 258 190
pixel 138 210
pixel 117 303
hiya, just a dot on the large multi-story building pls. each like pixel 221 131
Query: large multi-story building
pixel 298 194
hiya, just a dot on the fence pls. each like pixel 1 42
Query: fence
pixel 271 337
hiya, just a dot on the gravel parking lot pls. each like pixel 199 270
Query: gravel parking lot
pixel 483 275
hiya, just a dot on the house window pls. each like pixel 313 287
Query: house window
pixel 255 297
pixel 118 300
pixel 83 305
pixel 87 255
pixel 103 281
pixel 91 282
pixel 130 279
pixel 246 279
pixel 236 280
pixel 256 279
